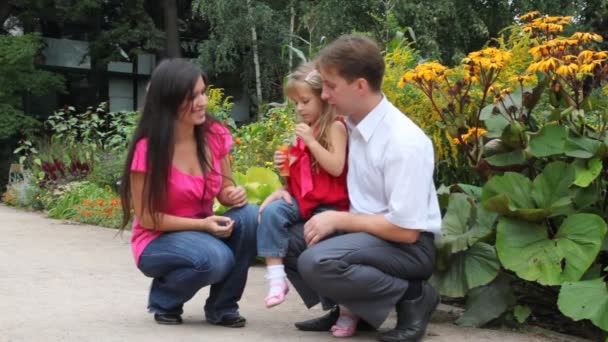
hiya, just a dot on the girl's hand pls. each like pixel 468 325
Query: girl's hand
pixel 276 195
pixel 305 133
pixel 234 196
pixel 279 159
pixel 218 226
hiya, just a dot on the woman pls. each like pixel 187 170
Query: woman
pixel 177 164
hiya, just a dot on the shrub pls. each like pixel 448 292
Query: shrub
pixel 533 233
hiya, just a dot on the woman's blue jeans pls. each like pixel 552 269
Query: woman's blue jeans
pixel 183 262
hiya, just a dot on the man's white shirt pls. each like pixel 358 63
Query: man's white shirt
pixel 390 170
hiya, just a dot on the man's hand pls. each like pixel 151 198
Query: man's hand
pixel 233 196
pixel 320 226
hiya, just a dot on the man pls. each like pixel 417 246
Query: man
pixel 379 255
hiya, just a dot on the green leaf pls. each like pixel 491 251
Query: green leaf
pixel 526 248
pixel 521 313
pixel 474 267
pixel 471 190
pixel 586 171
pixel 443 194
pixel 264 176
pixel 585 300
pixel 550 140
pixel 513 194
pixel 503 194
pixel 516 157
pixel 486 303
pixel 495 123
pixel 551 189
pixel 581 147
pixel 458 233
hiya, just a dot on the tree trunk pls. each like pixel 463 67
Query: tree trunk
pixel 171 29
pixel 256 59
pixel 291 29
pixel 135 81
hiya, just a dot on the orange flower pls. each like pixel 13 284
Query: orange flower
pixel 238 141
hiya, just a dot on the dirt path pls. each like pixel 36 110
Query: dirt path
pixel 67 282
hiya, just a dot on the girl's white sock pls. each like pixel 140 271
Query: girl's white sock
pixel 275 274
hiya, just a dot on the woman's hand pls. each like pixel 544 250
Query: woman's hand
pixel 233 196
pixel 305 133
pixel 276 195
pixel 279 159
pixel 218 226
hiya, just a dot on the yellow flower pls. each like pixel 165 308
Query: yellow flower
pixel 429 71
pixel 522 78
pixel 586 37
pixel 567 69
pixel 475 131
pixel 588 68
pixel 528 16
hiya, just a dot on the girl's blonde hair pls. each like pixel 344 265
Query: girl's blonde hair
pixel 307 75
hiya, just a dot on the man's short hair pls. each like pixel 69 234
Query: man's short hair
pixel 353 57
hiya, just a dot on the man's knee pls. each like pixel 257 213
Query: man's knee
pixel 309 265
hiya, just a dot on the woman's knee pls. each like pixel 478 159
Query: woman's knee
pixel 214 262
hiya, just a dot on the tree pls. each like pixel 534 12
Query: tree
pixel 239 31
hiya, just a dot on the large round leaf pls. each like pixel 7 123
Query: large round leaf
pixel 526 248
pixel 514 195
pixel 474 267
pixel 464 224
pixel 550 140
pixel 581 147
pixel 585 300
pixel 517 157
pixel 586 171
pixel 507 193
pixel 551 189
pixel 488 302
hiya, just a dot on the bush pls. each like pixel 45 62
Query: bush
pixel 85 202
pixel 530 119
pixel 24 193
pixel 255 143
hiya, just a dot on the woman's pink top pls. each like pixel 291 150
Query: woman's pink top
pixel 184 191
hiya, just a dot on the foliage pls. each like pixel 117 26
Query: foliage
pixel 220 106
pixel 85 202
pixel 254 144
pixel 451 164
pixel 229 46
pixel 23 193
pixel 258 182
pixel 79 143
pixel 540 148
pixel 18 77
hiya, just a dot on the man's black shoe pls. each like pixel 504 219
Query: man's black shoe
pixel 325 322
pixel 237 321
pixel 169 319
pixel 413 317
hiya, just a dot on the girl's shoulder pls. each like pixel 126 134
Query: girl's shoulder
pixel 339 125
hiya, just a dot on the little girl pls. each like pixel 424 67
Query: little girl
pixel 317 175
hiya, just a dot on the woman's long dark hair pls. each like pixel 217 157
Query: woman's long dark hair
pixel 171 85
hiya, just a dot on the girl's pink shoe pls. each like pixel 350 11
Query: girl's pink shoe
pixel 278 298
pixel 342 330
